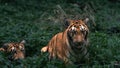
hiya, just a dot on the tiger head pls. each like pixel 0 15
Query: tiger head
pixel 14 49
pixel 77 31
pixel 10 47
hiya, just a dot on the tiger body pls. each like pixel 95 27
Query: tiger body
pixel 70 45
pixel 15 50
pixel 58 48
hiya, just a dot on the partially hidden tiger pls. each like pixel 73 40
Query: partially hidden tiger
pixel 71 45
pixel 14 50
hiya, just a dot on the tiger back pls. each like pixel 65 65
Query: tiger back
pixel 70 45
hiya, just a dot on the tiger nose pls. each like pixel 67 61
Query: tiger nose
pixel 79 39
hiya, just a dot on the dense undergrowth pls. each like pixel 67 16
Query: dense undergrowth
pixel 37 21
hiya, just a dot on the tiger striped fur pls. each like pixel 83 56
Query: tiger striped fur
pixel 70 45
pixel 16 50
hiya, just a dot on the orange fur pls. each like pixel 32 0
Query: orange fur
pixel 70 44
pixel 16 50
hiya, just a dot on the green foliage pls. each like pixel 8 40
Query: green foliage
pixel 37 21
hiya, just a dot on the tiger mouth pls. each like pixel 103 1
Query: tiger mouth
pixel 78 44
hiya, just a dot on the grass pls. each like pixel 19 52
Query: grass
pixel 37 21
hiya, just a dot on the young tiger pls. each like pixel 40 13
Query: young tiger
pixel 14 50
pixel 70 45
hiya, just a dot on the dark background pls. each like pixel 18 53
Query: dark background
pixel 36 21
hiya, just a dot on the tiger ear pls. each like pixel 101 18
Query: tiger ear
pixel 23 42
pixel 67 22
pixel 5 44
pixel 85 20
pixel 2 49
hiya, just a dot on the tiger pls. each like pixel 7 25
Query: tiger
pixel 70 45
pixel 15 50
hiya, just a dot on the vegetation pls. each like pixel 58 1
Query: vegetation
pixel 37 21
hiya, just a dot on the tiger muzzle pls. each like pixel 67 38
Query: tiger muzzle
pixel 78 39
